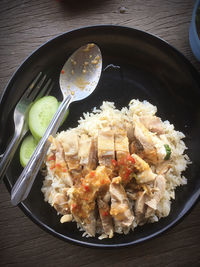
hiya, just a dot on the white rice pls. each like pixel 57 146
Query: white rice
pixel 109 116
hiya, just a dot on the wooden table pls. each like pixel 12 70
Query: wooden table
pixel 25 25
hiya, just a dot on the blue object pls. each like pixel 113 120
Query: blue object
pixel 193 35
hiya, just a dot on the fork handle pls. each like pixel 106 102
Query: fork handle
pixel 9 153
pixel 25 181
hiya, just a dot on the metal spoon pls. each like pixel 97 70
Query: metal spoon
pixel 78 79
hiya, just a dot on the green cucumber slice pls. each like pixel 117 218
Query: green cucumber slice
pixel 41 114
pixel 26 150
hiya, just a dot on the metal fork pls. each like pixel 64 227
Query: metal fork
pixel 38 87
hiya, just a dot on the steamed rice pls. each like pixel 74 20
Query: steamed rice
pixel 108 116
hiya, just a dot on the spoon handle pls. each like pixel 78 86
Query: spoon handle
pixel 25 181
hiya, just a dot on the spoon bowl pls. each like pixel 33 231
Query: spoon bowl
pixel 80 74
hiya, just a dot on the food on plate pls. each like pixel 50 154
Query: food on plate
pixel 40 115
pixel 118 169
pixel 27 148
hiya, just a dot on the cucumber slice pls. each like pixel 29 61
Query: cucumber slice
pixel 26 150
pixel 40 115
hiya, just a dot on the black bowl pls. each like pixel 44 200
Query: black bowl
pixel 149 69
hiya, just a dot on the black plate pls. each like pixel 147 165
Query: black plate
pixel 150 69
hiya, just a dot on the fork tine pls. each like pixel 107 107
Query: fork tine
pixel 50 88
pixel 44 91
pixel 32 85
pixel 34 92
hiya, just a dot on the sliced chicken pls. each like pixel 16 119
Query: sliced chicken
pixel 130 131
pixel 106 149
pixel 121 143
pixel 82 209
pixel 164 167
pixel 145 174
pixel 131 196
pixel 120 206
pixel 136 147
pixel 104 212
pixel 87 153
pixel 69 141
pixel 140 207
pixel 61 166
pixel 159 186
pixel 60 202
pixel 146 144
pixel 58 164
pixel 53 146
pixel 159 190
pixel 99 227
pixel 83 196
pixel 152 123
pixel 143 144
pixel 90 223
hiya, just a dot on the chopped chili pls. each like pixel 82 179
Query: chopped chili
pixel 64 170
pixel 105 213
pixel 87 188
pixel 74 205
pixel 114 162
pixel 122 161
pixel 131 159
pixel 92 173
pixel 102 181
pixel 62 71
pixel 127 173
pixel 126 168
pixel 53 157
pixel 52 167
pixel 58 165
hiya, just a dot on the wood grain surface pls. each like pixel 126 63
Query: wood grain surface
pixel 25 25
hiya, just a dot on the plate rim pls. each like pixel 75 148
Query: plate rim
pixel 193 200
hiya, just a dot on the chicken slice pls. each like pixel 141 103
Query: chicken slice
pixel 159 190
pixel 69 141
pixel 90 223
pixel 104 212
pixel 60 202
pixel 61 166
pixel 121 143
pixel 145 174
pixel 140 207
pixel 131 196
pixel 164 167
pixel 120 206
pixel 159 186
pixel 58 164
pixel 146 144
pixel 130 131
pixel 106 149
pixel 143 144
pixel 87 153
pixel 152 123
pixel 82 198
